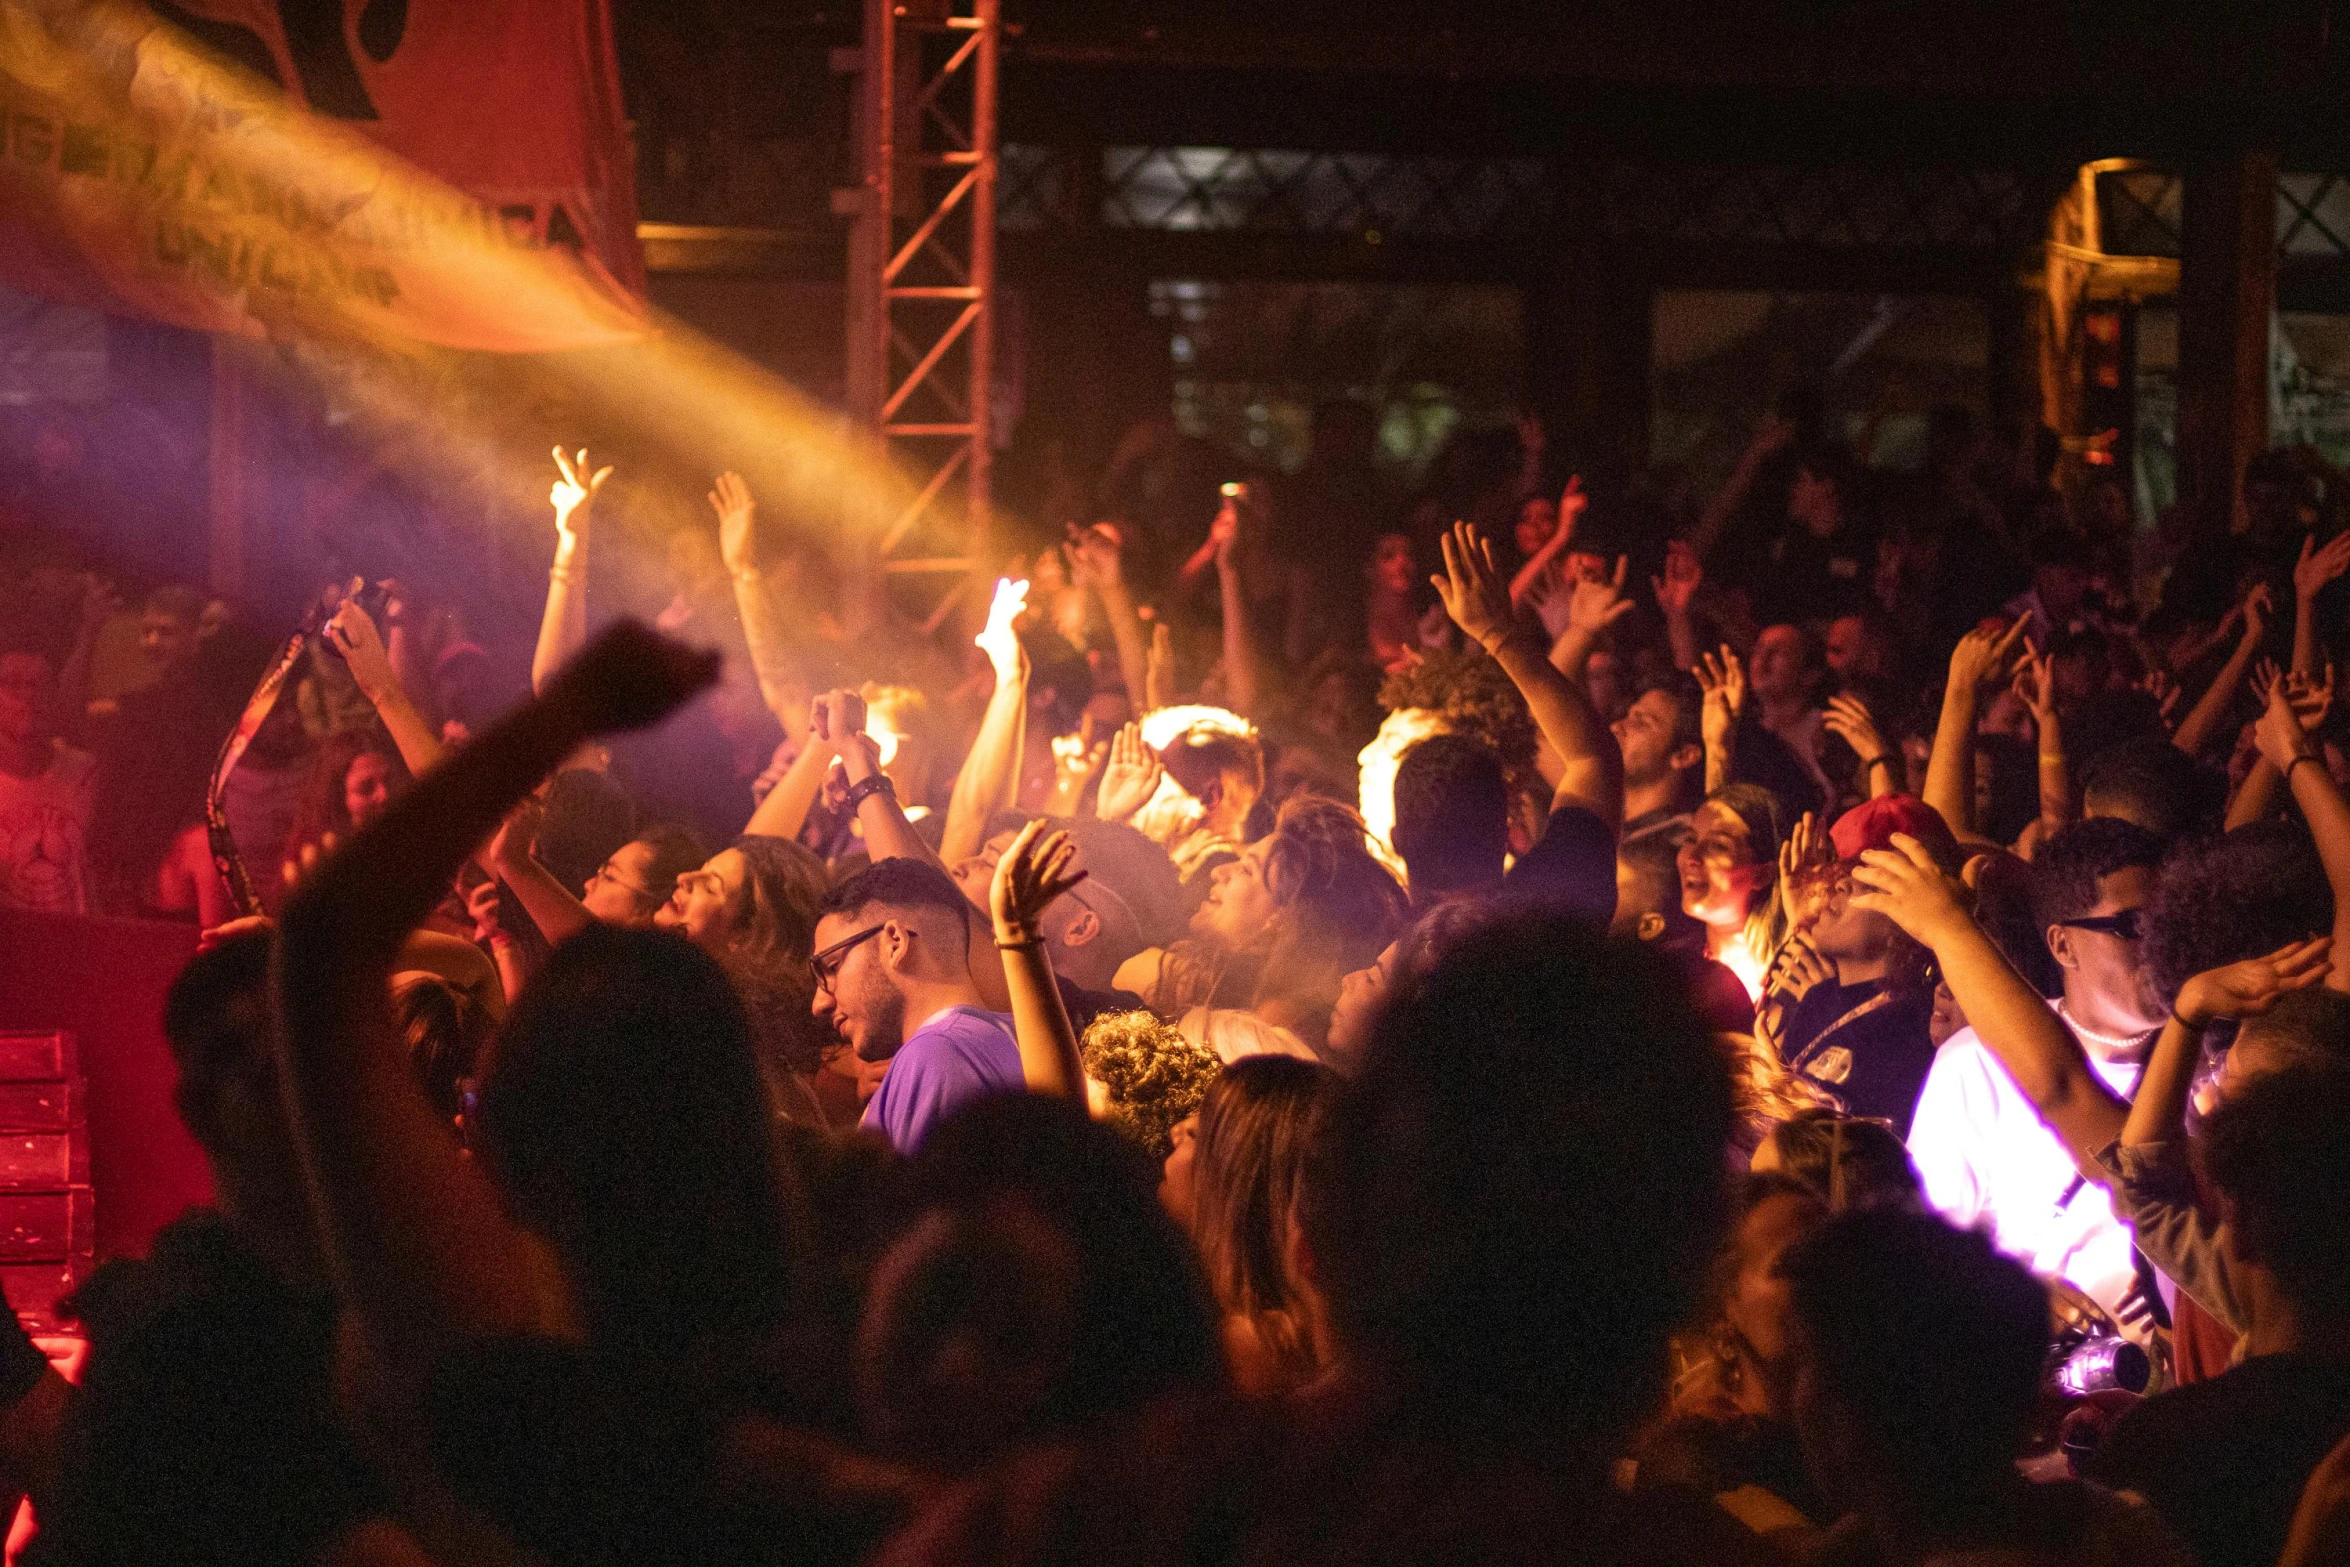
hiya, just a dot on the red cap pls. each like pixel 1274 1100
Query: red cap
pixel 1872 824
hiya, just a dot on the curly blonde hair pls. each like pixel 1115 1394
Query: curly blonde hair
pixel 1155 1076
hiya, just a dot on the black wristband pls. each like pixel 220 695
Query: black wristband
pixel 865 788
pixel 2306 756
pixel 1885 762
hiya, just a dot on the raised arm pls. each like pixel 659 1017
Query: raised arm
pixel 1243 687
pixel 2311 573
pixel 353 634
pixel 2256 797
pixel 989 780
pixel 1100 562
pixel 1722 680
pixel 1032 873
pixel 2035 687
pixel 738 547
pixel 1676 594
pixel 563 625
pixel 421 1246
pixel 1129 778
pixel 513 855
pixel 1592 607
pixel 1980 662
pixel 2287 747
pixel 2194 734
pixel 1571 504
pixel 2015 1024
pixel 1848 718
pixel 1478 602
pixel 1770 438
pixel 1158 678
pixel 837 720
pixel 2239 990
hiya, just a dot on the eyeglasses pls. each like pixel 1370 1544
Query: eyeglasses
pixel 604 872
pixel 824 965
pixel 2128 924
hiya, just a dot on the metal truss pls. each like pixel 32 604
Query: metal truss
pixel 2141 214
pixel 1194 189
pixel 921 287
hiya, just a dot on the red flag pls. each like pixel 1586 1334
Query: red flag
pixel 145 177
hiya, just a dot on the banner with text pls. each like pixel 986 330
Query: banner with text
pixel 451 172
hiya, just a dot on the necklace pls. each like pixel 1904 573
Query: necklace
pixel 2115 1044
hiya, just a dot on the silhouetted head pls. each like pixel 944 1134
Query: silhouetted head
pixel 1524 1186
pixel 624 1115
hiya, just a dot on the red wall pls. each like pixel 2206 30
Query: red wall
pixel 105 980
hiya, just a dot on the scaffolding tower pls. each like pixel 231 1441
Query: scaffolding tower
pixel 921 284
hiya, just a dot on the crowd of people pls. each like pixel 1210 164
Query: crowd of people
pixel 1365 1036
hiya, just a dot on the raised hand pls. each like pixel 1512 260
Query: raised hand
pixel 1593 605
pixel 1723 680
pixel 2311 699
pixel 1848 718
pixel 353 635
pixel 297 870
pixel 1129 778
pixel 737 522
pixel 631 677
pixel 1905 885
pixel 1572 504
pixel 1805 861
pixel 575 491
pixel 997 639
pixel 1984 656
pixel 2259 604
pixel 481 902
pixel 1076 758
pixel 2034 685
pixel 835 716
pixel 1096 553
pixel 2166 692
pixel 517 836
pixel 1033 872
pixel 2249 988
pixel 1677 589
pixel 1798 968
pixel 2319 565
pixel 1475 594
pixel 1224 532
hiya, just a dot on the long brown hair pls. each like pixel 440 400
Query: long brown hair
pixel 1257 1128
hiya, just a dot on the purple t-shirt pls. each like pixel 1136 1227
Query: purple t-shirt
pixel 956 1056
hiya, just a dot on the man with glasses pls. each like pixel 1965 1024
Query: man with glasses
pixel 893 978
pixel 1981 1149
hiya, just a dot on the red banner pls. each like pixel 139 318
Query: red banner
pixel 445 171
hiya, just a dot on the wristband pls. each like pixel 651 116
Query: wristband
pixel 866 788
pixel 2192 1028
pixel 1024 944
pixel 1885 762
pixel 2306 756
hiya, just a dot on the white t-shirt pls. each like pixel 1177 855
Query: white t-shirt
pixel 1986 1158
pixel 44 823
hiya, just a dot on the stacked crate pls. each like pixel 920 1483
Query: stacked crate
pixel 47 1213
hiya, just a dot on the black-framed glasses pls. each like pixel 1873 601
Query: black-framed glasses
pixel 2129 924
pixel 824 965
